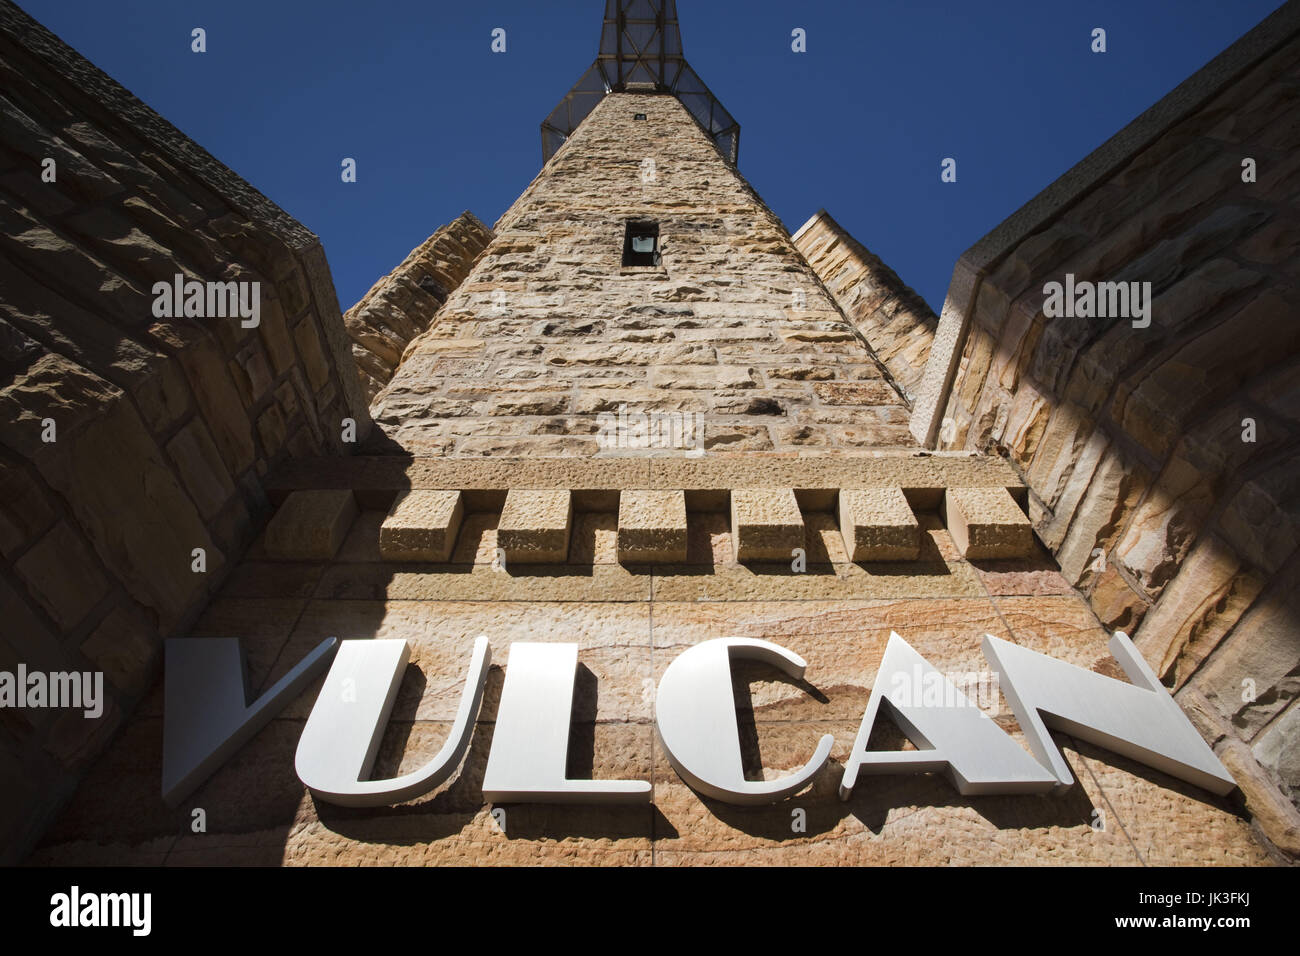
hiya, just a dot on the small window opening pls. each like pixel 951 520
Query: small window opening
pixel 641 244
pixel 639 116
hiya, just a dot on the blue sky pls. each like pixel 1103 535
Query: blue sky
pixel 858 124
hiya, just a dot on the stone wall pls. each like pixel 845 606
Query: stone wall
pixel 401 305
pixel 1162 459
pixel 894 320
pixel 171 435
pixel 630 621
pixel 127 440
pixel 550 330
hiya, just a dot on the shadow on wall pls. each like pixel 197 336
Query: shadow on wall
pixel 1131 349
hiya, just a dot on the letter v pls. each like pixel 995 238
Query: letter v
pixel 206 714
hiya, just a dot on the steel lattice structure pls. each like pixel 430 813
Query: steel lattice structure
pixel 641 51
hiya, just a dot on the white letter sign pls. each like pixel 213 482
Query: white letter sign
pixel 338 746
pixel 206 714
pixel 696 716
pixel 530 745
pixel 1138 720
pixel 960 739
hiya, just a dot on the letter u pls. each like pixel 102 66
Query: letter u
pixel 338 746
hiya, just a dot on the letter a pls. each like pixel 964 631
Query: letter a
pixel 960 739
pixel 1052 300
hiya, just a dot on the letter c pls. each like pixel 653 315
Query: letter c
pixel 695 712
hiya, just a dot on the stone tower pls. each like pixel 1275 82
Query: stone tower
pixel 557 323
pixel 634 415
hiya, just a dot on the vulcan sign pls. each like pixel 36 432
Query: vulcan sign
pixel 208 718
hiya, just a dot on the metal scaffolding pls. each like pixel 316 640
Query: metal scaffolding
pixel 641 50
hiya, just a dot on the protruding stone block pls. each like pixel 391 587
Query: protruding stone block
pixel 878 525
pixel 652 527
pixel 421 526
pixel 310 524
pixel 987 523
pixel 766 524
pixel 535 526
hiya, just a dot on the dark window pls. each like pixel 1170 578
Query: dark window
pixel 639 116
pixel 641 244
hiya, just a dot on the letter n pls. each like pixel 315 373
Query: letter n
pixel 1138 720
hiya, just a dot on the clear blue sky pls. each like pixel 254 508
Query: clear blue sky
pixel 858 124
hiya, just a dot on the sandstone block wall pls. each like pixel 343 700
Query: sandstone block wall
pixel 401 305
pixel 171 432
pixel 893 319
pixel 550 330
pixel 1162 460
pixel 630 623
pixel 161 427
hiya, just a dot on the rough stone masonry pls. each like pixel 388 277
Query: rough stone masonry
pixel 496 409
pixel 549 329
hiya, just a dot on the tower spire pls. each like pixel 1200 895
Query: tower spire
pixel 641 52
